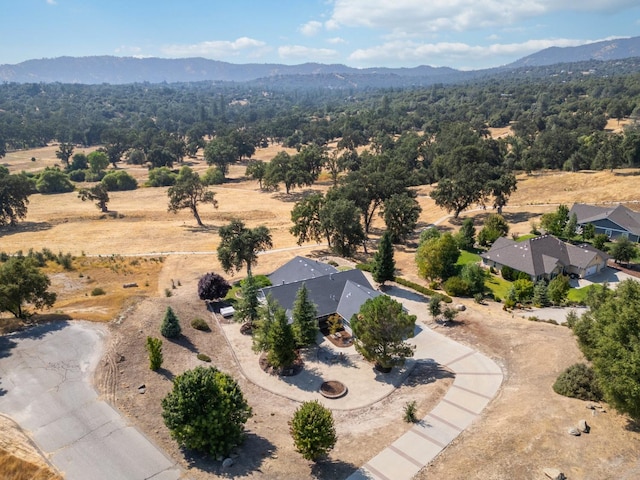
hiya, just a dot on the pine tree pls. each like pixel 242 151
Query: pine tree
pixel 282 345
pixel 170 327
pixel 247 308
pixel 466 237
pixel 266 317
pixel 384 266
pixel 305 324
pixel 540 295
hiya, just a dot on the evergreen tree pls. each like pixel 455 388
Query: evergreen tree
pixel 312 430
pixel 305 324
pixel 247 308
pixel 540 294
pixel 558 289
pixel 384 266
pixel 154 347
pixel 466 237
pixel 282 344
pixel 266 317
pixel 170 327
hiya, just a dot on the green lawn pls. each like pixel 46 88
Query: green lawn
pixel 579 295
pixel 498 286
pixel 467 257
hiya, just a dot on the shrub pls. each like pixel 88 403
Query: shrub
pixel 77 175
pixel 119 181
pixel 335 323
pixel 213 176
pixel 312 429
pixel 52 180
pixel 365 267
pixel 161 177
pixel 200 324
pixel 212 286
pixel 206 411
pixel 65 260
pixel 410 409
pixel 154 347
pixel 203 357
pixel 91 176
pixel 97 291
pixel 578 381
pixel 170 327
pixel 167 292
pixel 456 287
pixel 261 281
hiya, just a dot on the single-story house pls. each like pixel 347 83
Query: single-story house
pixel 615 221
pixel 545 257
pixel 332 291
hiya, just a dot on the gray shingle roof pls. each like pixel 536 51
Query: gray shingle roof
pixel 618 214
pixel 300 268
pixel 340 292
pixel 539 255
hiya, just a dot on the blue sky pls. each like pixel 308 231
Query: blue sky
pixel 464 34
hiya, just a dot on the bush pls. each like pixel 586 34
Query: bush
pixel 312 429
pixel 456 287
pixel 91 176
pixel 212 286
pixel 52 180
pixel 203 357
pixel 119 181
pixel 421 289
pixel 410 412
pixel 261 281
pixel 200 324
pixel 365 267
pixel 77 175
pixel 578 381
pixel 213 176
pixel 97 291
pixel 170 327
pixel 161 177
pixel 206 411
pixel 154 347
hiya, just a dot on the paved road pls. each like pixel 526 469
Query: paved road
pixel 477 379
pixel 45 386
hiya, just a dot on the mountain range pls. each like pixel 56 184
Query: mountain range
pixel 119 70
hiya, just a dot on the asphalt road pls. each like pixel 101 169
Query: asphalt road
pixel 45 386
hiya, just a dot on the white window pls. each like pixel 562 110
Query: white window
pixel 608 232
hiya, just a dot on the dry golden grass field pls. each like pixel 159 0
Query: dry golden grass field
pixel 139 241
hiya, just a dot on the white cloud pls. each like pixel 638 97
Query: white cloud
pixel 128 50
pixel 52 2
pixel 419 16
pixel 299 52
pixel 450 53
pixel 218 48
pixel 311 28
pixel 336 40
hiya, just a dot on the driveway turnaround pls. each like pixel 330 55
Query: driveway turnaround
pixel 46 386
pixel 477 380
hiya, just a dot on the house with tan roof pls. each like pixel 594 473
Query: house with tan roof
pixel 615 221
pixel 545 257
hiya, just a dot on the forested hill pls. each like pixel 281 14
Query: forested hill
pixel 124 70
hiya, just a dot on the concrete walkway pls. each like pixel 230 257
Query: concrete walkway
pixel 477 380
pixel 46 386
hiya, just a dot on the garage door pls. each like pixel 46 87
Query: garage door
pixel 591 270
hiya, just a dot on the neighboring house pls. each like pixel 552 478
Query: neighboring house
pixel 331 290
pixel 615 221
pixel 545 257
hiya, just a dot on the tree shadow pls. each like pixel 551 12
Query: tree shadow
pixel 204 228
pixel 40 331
pixel 396 291
pixel 308 380
pixel 23 227
pixel 244 466
pixel 519 217
pixel 332 468
pixel 6 345
pixel 184 342
pixel 397 375
pixel 294 196
pixel 625 174
pixel 632 425
pixel 168 374
pixel 427 371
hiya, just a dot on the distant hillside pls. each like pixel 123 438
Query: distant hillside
pixel 607 50
pixel 119 70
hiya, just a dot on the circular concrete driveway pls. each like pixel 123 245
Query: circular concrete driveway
pixel 45 386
